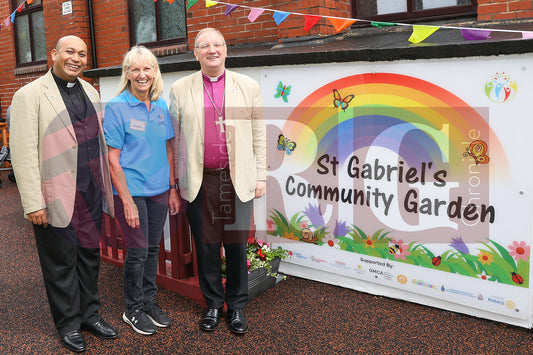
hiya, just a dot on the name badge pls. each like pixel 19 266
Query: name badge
pixel 137 125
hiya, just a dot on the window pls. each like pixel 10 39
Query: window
pixel 29 33
pixel 155 23
pixel 390 10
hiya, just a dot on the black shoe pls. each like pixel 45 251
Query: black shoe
pixel 210 320
pixel 238 322
pixel 101 329
pixel 74 341
pixel 157 316
pixel 140 322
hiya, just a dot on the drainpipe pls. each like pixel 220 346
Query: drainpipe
pixel 91 29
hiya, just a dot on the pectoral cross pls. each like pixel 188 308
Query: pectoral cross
pixel 220 122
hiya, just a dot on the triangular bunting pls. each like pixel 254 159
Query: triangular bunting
pixel 255 13
pixel 527 35
pixel 470 34
pixel 420 33
pixel 210 3
pixel 340 24
pixel 310 21
pixel 29 2
pixel 190 3
pixel 169 1
pixel 13 16
pixel 21 6
pixel 230 8
pixel 382 24
pixel 280 16
pixel 7 22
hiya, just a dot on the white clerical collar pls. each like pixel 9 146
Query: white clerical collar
pixel 214 79
pixel 70 85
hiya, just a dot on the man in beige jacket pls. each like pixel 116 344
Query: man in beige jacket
pixel 59 157
pixel 221 168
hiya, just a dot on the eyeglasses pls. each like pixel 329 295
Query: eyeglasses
pixel 204 46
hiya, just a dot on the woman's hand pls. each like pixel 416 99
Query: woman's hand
pixel 174 202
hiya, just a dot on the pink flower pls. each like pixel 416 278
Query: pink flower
pixel 520 251
pixel 248 263
pixel 304 225
pixel 271 226
pixel 259 242
pixel 404 249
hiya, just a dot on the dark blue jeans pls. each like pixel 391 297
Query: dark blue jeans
pixel 140 266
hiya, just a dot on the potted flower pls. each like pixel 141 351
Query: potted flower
pixel 263 265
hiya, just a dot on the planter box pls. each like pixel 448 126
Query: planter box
pixel 259 281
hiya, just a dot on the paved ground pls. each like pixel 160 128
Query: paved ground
pixel 297 316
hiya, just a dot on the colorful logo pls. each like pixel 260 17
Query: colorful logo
pixel 500 88
pixel 282 91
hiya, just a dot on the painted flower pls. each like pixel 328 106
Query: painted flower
pixel 485 257
pixel 290 236
pixel 315 215
pixel 520 251
pixel 459 245
pixel 340 229
pixel 369 243
pixel 331 241
pixel 404 249
pixel 271 226
pixel 484 276
pixel 304 225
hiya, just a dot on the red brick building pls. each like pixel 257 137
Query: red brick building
pixel 110 27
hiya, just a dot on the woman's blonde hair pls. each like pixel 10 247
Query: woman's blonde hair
pixel 141 54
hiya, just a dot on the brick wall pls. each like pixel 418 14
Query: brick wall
pixel 238 29
pixel 504 9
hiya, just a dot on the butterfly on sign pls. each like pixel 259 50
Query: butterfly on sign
pixel 478 150
pixel 286 144
pixel 339 101
pixel 283 91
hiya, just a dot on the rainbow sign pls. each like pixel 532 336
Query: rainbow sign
pixel 388 165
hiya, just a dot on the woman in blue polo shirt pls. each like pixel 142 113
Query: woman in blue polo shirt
pixel 138 131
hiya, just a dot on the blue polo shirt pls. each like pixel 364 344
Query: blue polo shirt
pixel 141 135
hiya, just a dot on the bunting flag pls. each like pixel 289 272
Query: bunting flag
pixel 190 3
pixel 7 22
pixel 310 21
pixel 21 6
pixel 472 34
pixel 29 2
pixel 230 8
pixel 420 33
pixel 210 3
pixel 169 1
pixel 13 16
pixel 382 24
pixel 340 24
pixel 255 13
pixel 280 16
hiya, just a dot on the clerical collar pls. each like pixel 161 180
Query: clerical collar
pixel 215 79
pixel 62 82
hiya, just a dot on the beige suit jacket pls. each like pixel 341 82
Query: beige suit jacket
pixel 245 133
pixel 44 150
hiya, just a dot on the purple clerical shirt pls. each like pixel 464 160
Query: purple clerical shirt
pixel 215 150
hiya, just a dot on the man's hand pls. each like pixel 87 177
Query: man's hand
pixel 260 189
pixel 38 217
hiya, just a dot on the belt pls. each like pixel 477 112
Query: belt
pixel 215 171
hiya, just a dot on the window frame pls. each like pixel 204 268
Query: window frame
pixel 27 10
pixel 159 42
pixel 413 15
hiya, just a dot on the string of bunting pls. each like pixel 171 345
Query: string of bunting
pixel 420 32
pixel 11 18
